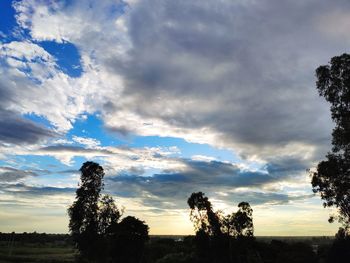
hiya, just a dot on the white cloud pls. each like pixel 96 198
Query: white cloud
pixel 25 51
pixel 88 142
pixel 192 76
pixel 202 76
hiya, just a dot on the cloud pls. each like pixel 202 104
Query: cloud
pixel 29 73
pixel 9 174
pixel 88 142
pixel 263 198
pixel 212 73
pixel 17 130
pixel 14 129
pixel 77 150
pixel 21 189
pixel 65 153
pixel 204 66
pixel 212 177
pixel 155 177
pixel 221 74
pixel 334 24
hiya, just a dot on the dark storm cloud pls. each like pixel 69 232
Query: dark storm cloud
pixel 23 190
pixel 172 189
pixel 14 128
pixel 73 149
pixel 9 174
pixel 244 69
pixel 286 165
pixel 259 198
pixel 17 130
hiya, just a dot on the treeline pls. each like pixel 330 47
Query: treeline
pixel 35 237
pixel 96 224
pixel 219 237
pixel 187 251
pixel 171 250
pixel 101 233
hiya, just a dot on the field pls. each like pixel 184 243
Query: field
pixel 34 252
pixel 46 248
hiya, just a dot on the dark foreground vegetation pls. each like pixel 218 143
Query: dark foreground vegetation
pixel 34 247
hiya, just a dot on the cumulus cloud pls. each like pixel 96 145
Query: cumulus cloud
pixel 88 142
pixel 10 174
pixel 213 73
pixel 29 73
pixel 221 180
pixel 156 175
pixel 17 130
pixel 206 64
pixel 21 189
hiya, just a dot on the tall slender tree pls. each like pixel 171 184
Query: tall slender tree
pixel 202 214
pixel 84 212
pixel 332 176
pixel 216 233
pixel 95 227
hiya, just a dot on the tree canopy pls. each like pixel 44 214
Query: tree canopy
pixel 84 223
pixel 332 176
pixel 94 223
pixel 219 237
pixel 215 223
pixel 202 214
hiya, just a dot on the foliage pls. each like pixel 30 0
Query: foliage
pixel 279 251
pixel 332 176
pixel 243 220
pixel 84 212
pixel 108 215
pixel 127 240
pixel 340 249
pixel 94 223
pixel 216 234
pixel 202 214
pixel 46 248
pixel 176 258
pixel 214 223
pixel 239 224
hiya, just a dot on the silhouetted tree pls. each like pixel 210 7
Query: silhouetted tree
pixel 332 176
pixel 238 225
pixel 108 215
pixel 216 234
pixel 83 213
pixel 202 214
pixel 340 249
pixel 128 240
pixel 94 223
pixel 243 220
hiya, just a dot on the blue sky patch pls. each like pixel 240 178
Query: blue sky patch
pixel 7 17
pixel 67 56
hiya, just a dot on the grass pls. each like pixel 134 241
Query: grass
pixel 38 253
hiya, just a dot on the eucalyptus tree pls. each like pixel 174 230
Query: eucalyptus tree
pixel 332 176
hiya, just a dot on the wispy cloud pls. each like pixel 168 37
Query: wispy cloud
pixel 10 174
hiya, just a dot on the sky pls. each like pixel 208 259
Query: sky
pixel 170 97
